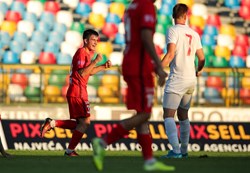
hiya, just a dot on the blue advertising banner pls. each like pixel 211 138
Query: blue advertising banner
pixel 204 136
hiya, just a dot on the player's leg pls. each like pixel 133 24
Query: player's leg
pixel 82 125
pixel 182 114
pixel 170 103
pixel 79 110
pixel 50 124
pixel 2 151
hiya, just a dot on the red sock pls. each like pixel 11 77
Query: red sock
pixel 116 133
pixel 76 138
pixel 145 140
pixel 66 124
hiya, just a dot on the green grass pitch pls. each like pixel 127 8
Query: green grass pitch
pixel 121 162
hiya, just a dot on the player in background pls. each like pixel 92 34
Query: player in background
pixel 139 63
pixel 183 44
pixel 79 109
pixel 2 151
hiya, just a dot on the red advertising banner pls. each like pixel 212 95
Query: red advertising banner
pixel 210 136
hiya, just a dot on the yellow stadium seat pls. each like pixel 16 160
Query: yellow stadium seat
pixel 110 80
pixel 189 3
pixel 228 29
pixel 105 48
pixel 117 8
pixel 105 91
pixel 245 82
pixel 222 51
pixel 197 21
pixel 97 20
pixel 51 90
pixel 9 26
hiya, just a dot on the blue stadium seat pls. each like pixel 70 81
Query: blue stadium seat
pixel 212 95
pixel 60 27
pixel 31 17
pixel 56 37
pixel 64 59
pixel 83 9
pixel 10 57
pixel 237 61
pixel 119 39
pixel 5 38
pixel 34 47
pixel 166 9
pixel 208 40
pixel 18 6
pixel 43 27
pixel 48 18
pixel 39 37
pixel 113 18
pixel 233 4
pixel 21 37
pixel 16 47
pixel 3 7
pixel 105 1
pixel 210 30
pixel 51 47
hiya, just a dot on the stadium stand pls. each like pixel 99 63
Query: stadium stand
pixel 44 34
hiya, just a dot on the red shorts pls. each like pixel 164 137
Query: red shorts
pixel 140 94
pixel 78 108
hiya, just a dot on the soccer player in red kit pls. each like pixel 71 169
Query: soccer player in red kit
pixel 139 63
pixel 81 68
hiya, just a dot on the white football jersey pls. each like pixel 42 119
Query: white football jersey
pixel 187 41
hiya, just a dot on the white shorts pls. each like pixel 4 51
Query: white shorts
pixel 178 93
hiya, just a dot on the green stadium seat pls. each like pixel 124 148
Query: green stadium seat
pixel 77 26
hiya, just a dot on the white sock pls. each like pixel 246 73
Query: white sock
pixel 171 131
pixel 53 123
pixel 150 161
pixel 184 135
pixel 69 151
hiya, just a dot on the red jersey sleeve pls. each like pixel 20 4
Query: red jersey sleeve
pixel 148 15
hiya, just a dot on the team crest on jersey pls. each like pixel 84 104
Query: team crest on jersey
pixel 81 63
pixel 149 18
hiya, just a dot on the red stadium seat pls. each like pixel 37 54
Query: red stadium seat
pixel 215 82
pixel 13 16
pixel 52 6
pixel 20 79
pixel 47 58
pixel 23 1
pixel 245 95
pixel 242 39
pixel 240 50
pixel 214 20
pixel 90 2
pixel 244 12
pixel 110 30
pixel 245 3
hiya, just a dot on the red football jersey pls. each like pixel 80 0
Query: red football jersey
pixel 78 83
pixel 140 14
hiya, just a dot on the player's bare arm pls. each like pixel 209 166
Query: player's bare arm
pixel 201 61
pixel 147 39
pixel 169 56
pixel 87 70
pixel 99 68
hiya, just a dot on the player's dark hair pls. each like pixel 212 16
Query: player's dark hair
pixel 88 32
pixel 179 10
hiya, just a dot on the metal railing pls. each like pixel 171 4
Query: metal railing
pixel 48 84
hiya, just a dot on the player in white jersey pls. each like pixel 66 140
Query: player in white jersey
pixel 183 44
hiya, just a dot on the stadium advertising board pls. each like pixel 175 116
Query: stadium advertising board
pixel 197 114
pixel 210 136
